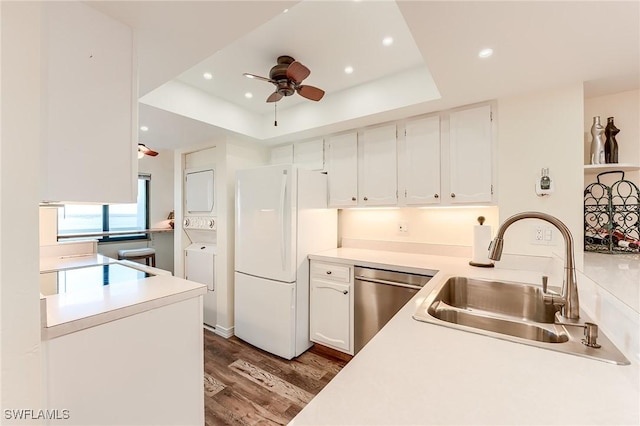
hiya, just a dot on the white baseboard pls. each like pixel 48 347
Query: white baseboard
pixel 219 330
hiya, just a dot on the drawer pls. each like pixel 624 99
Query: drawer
pixel 331 271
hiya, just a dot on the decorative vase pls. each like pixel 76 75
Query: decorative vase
pixel 597 143
pixel 611 145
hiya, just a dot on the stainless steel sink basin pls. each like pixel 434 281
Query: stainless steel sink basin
pixel 510 311
pixel 499 307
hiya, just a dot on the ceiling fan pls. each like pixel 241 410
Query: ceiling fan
pixel 287 76
pixel 143 150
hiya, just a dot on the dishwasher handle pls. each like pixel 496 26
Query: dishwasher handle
pixel 393 283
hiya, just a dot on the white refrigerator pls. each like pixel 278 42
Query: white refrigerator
pixel 281 217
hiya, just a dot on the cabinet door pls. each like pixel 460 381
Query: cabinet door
pixel 343 170
pixel 330 314
pixel 377 184
pixel 89 93
pixel 421 162
pixel 282 155
pixel 309 155
pixel 470 155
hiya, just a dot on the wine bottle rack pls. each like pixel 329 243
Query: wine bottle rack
pixel 612 216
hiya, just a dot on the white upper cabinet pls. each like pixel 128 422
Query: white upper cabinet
pixel 419 162
pixel 282 155
pixel 342 157
pixel 89 106
pixel 306 155
pixel 377 183
pixel 470 155
pixel 443 159
pixel 309 154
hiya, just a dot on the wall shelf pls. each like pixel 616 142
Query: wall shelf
pixel 600 168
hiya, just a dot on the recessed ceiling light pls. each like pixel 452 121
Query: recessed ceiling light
pixel 348 69
pixel 144 128
pixel 485 53
pixel 248 95
pixel 207 76
pixel 285 11
pixel 387 41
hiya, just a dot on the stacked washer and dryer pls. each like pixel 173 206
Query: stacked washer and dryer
pixel 199 223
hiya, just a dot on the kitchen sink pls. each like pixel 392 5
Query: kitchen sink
pixel 510 311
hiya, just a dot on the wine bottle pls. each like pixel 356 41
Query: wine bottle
pixel 627 244
pixel 625 241
pixel 597 239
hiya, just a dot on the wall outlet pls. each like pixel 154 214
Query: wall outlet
pixel 403 227
pixel 543 235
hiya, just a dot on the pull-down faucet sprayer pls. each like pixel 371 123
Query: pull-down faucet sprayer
pixel 570 306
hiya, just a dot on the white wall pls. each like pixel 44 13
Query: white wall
pixel 226 155
pixel 434 225
pixel 541 129
pixel 20 356
pixel 239 155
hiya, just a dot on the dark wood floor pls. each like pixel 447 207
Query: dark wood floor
pixel 244 385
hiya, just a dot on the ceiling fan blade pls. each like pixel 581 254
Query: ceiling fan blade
pixel 310 92
pixel 146 151
pixel 297 72
pixel 274 97
pixel 257 77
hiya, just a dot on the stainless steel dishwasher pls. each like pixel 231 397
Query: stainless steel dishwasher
pixel 378 296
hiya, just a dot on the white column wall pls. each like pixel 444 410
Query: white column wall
pixel 20 357
pixel 541 129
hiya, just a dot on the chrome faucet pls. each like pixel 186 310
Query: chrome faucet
pixel 568 300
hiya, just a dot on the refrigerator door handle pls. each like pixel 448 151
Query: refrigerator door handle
pixel 283 190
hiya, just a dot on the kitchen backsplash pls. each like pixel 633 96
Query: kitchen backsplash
pixel 422 226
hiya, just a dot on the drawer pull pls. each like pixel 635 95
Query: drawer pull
pixel 345 292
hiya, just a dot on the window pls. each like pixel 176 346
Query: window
pixel 94 220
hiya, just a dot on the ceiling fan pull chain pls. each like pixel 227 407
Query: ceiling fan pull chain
pixel 275 114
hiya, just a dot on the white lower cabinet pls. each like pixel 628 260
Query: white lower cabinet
pixel 331 305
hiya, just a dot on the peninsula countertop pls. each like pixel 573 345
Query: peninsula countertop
pixel 70 312
pixel 415 373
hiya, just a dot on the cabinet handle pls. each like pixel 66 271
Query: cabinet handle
pixel 353 198
pixel 345 292
pixel 453 195
pixel 328 272
pixel 436 196
pixel 365 198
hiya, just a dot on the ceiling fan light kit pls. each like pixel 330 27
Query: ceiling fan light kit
pixel 287 76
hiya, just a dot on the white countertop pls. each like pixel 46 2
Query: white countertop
pixel 70 312
pixel 72 261
pixel 618 273
pixel 415 373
